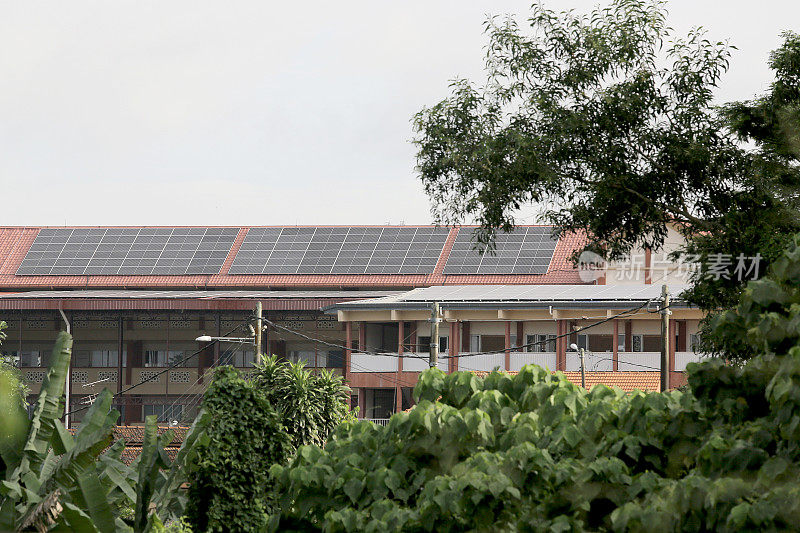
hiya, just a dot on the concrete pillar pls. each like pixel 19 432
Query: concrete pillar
pixel 398 391
pixel 348 334
pixel 508 346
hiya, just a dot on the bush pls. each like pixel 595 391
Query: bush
pixel 243 436
pixel 311 404
pixel 536 452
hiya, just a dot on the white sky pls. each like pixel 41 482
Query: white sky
pixel 238 113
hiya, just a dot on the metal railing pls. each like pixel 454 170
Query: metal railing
pixel 379 421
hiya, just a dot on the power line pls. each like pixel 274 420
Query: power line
pixel 628 312
pixel 165 370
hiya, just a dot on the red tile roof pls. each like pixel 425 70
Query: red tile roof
pixel 134 435
pixel 15 242
pixel 627 381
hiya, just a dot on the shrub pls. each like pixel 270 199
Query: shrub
pixel 311 404
pixel 242 437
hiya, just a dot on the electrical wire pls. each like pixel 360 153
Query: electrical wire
pixel 165 370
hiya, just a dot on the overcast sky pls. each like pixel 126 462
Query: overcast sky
pixel 248 113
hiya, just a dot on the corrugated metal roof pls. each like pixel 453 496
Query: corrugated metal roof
pixel 195 295
pixel 505 296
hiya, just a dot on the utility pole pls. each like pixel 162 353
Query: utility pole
pixel 664 338
pixel 68 384
pixel 583 370
pixel 434 357
pixel 259 326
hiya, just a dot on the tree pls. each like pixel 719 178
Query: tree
pixel 241 437
pixel 534 452
pixel 608 120
pixel 10 377
pixel 244 427
pixel 310 404
pixel 50 477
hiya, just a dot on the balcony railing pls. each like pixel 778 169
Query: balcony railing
pixel 379 421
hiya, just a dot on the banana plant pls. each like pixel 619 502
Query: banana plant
pixel 50 479
pixel 55 479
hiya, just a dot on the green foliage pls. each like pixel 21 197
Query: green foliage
pixel 538 453
pixel 49 477
pixel 310 404
pixel 12 389
pixel 534 452
pixel 608 121
pixel 767 317
pixel 241 437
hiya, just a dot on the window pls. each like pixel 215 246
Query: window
pixel 335 359
pixel 240 357
pixel 582 342
pixel 165 413
pixel 105 358
pixel 544 343
pixel 621 342
pixel 309 357
pixel 637 343
pixel 185 354
pixel 97 356
pixel 155 358
pixel 382 405
pixel 600 343
pixel 474 343
pixel 694 342
pixel 34 355
pixel 424 344
pixel 651 343
pixel 492 343
pixel 245 358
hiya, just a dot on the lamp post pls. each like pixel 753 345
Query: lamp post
pixel 583 367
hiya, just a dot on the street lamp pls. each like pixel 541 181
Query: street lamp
pixel 208 338
pixel 583 371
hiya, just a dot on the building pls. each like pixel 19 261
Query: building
pixel 136 299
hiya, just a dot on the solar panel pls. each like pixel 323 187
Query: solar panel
pixel 127 251
pixel 525 250
pixel 340 250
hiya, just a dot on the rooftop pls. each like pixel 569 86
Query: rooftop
pixel 320 257
pixel 626 381
pixel 511 296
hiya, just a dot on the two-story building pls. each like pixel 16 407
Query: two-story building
pixel 352 299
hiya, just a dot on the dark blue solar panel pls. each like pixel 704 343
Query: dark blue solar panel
pixel 340 250
pixel 525 250
pixel 127 251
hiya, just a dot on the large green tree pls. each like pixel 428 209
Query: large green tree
pixel 608 122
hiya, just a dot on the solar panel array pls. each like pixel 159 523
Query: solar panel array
pixel 128 251
pixel 525 250
pixel 340 250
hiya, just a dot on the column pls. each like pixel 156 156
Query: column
pixel 561 345
pixel 120 351
pixel 348 334
pixel 615 347
pixel 671 330
pixel 628 336
pixel 508 345
pixel 398 390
